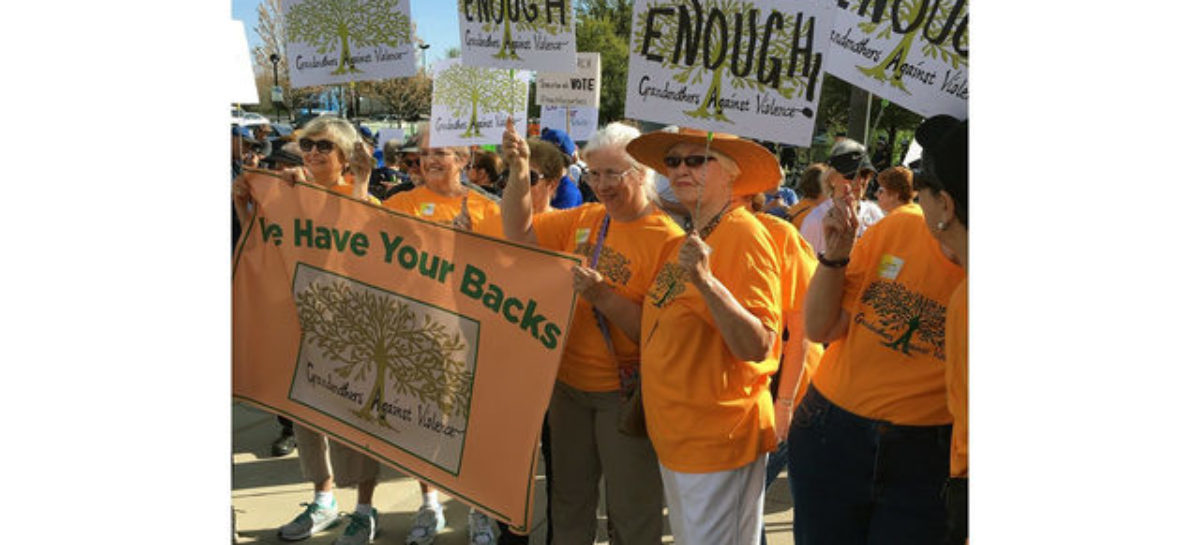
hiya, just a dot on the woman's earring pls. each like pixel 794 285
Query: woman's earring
pixel 941 226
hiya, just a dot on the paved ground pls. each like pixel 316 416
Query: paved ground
pixel 267 492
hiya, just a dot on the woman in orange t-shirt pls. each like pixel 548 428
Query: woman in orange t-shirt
pixel 942 187
pixel 869 445
pixel 812 191
pixel 443 196
pixel 623 239
pixel 709 338
pixel 332 150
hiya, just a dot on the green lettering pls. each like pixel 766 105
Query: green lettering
pixel 389 246
pixel 508 305
pixel 472 282
pixel 408 257
pixel 322 240
pixel 358 244
pixel 429 267
pixel 304 232
pixel 493 298
pixel 530 320
pixel 550 336
pixel 447 266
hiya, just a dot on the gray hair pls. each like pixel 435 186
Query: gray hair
pixel 617 135
pixel 343 135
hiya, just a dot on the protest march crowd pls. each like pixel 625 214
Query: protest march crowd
pixel 743 329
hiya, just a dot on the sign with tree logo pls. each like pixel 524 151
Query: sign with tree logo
pixel 518 34
pixel 472 103
pixel 584 121
pixel 575 89
pixel 911 52
pixel 430 349
pixel 339 41
pixel 751 68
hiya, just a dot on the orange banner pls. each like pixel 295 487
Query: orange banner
pixel 430 349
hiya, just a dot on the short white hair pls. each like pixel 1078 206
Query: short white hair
pixel 617 135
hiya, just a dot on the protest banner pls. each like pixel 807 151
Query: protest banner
pixel 911 52
pixel 339 41
pixel 575 89
pixel 518 34
pixel 584 121
pixel 751 68
pixel 472 103
pixel 429 349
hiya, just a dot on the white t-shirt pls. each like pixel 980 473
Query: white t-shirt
pixel 869 213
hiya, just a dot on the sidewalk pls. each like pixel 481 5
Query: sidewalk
pixel 267 492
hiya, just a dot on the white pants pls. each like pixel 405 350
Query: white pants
pixel 721 508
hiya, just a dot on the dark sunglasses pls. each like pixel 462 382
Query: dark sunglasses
pixel 691 160
pixel 412 162
pixel 323 146
pixel 534 178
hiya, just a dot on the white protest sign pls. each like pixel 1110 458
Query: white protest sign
pixel 339 41
pixel 519 34
pixel 471 103
pixel 584 121
pixel 911 52
pixel 389 134
pixel 747 67
pixel 575 89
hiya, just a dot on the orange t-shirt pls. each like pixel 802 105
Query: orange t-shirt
pixel 890 365
pixel 798 262
pixel 347 189
pixel 425 204
pixel 631 254
pixel 800 210
pixel 706 410
pixel 492 226
pixel 956 377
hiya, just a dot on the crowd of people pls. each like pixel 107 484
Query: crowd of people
pixel 727 327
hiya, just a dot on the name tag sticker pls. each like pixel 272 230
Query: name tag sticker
pixel 582 234
pixel 889 266
pixel 426 209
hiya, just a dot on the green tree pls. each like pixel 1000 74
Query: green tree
pixel 910 314
pixel 465 88
pixel 602 34
pixel 365 333
pixel 693 70
pixel 408 98
pixel 510 21
pixel 336 25
pixel 889 69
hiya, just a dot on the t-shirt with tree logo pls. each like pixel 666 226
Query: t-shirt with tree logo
pixel 631 254
pixel 424 203
pixel 890 365
pixel 706 410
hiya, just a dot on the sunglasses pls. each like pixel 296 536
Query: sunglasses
pixel 412 162
pixel 692 161
pixel 323 146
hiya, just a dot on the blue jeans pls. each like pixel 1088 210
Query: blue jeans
pixel 857 481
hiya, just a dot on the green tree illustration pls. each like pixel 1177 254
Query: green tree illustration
pixel 512 19
pixel 364 333
pixel 336 25
pixel 692 71
pixel 909 313
pixel 463 88
pixel 889 68
pixel 669 284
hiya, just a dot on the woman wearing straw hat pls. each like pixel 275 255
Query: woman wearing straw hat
pixel 709 338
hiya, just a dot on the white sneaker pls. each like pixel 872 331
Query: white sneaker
pixel 314 519
pixel 425 527
pixel 361 529
pixel 480 528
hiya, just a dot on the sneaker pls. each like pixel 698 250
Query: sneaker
pixel 284 445
pixel 480 528
pixel 314 519
pixel 428 523
pixel 361 529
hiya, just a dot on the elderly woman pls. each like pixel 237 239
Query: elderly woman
pixel 622 239
pixel 942 186
pixel 869 445
pixel 709 338
pixel 546 166
pixel 442 196
pixel 895 188
pixel 331 151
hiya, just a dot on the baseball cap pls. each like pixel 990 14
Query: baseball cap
pixel 559 139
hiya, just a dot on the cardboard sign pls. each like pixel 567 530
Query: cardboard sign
pixel 576 89
pixel 518 34
pixel 912 52
pixel 472 103
pixel 751 68
pixel 339 41
pixel 429 349
pixel 584 121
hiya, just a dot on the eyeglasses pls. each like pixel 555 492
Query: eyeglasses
pixel 412 163
pixel 534 177
pixel 591 177
pixel 692 161
pixel 323 146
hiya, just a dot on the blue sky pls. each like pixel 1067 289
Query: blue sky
pixel 437 24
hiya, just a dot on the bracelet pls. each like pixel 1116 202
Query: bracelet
pixel 836 264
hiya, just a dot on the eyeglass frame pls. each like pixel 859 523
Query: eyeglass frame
pixel 698 160
pixel 612 177
pixel 324 147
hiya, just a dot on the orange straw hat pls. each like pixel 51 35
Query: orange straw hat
pixel 760 169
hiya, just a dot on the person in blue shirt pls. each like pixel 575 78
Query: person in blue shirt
pixel 567 195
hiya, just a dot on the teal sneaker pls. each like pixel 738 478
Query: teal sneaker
pixel 361 529
pixel 314 519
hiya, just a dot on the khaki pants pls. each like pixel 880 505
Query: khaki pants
pixel 717 508
pixel 584 444
pixel 321 458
